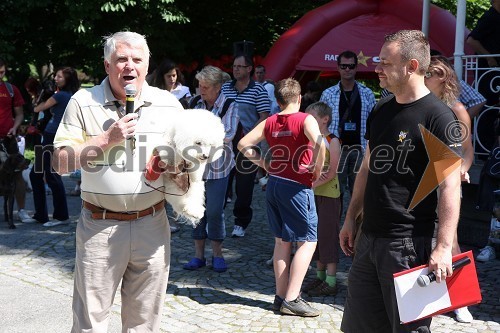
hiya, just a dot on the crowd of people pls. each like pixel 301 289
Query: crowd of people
pixel 314 148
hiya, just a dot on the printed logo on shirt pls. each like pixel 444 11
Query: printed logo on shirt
pixel 402 135
pixel 279 134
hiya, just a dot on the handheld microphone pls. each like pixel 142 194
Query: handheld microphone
pixel 130 91
pixel 425 280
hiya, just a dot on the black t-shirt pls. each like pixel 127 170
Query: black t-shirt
pixel 487 32
pixel 398 158
pixel 351 134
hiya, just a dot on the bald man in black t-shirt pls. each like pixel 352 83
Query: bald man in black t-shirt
pixel 397 230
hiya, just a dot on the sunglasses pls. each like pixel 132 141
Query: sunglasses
pixel 345 66
pixel 435 71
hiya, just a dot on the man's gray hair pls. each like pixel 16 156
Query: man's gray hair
pixel 125 37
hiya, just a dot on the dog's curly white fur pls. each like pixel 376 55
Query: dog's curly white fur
pixel 194 139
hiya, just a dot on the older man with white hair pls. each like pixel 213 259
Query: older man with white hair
pixel 123 233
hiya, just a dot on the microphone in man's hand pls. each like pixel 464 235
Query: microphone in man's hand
pixel 130 91
pixel 425 280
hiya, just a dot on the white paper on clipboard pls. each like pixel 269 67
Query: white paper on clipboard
pixel 414 301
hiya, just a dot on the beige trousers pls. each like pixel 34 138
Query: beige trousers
pixel 135 252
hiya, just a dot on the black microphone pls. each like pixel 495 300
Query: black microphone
pixel 130 92
pixel 425 280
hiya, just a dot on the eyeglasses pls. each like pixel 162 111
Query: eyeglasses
pixel 345 66
pixel 239 66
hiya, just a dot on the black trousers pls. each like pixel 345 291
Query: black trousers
pixel 371 304
pixel 244 176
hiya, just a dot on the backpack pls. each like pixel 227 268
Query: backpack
pixel 335 181
pixel 225 107
pixel 11 93
pixel 10 89
pixel 239 130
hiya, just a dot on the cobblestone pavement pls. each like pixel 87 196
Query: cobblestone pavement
pixel 204 301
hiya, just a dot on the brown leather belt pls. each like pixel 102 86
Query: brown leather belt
pixel 99 213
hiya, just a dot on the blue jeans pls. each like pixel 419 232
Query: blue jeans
pixel 212 224
pixel 41 169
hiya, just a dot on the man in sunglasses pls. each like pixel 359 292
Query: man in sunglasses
pixel 351 103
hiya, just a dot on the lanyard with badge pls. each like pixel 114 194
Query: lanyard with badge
pixel 345 125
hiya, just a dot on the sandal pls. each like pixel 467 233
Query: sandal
pixel 195 263
pixel 219 264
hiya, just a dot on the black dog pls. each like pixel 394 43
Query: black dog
pixel 11 165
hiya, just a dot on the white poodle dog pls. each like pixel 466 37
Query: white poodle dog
pixel 194 139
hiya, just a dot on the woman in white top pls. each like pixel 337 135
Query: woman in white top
pixel 169 77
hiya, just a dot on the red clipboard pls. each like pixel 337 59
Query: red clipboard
pixel 462 287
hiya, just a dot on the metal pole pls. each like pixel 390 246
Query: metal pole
pixel 459 37
pixel 425 17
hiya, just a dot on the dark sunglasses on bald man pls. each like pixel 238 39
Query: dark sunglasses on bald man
pixel 345 66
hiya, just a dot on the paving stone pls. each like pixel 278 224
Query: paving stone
pixel 238 300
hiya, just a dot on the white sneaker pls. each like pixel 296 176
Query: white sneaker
pixel 23 216
pixel 463 315
pixel 486 254
pixel 238 231
pixel 54 223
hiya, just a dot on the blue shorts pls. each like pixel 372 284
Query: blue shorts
pixel 291 211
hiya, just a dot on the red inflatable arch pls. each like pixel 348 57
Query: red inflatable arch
pixel 309 48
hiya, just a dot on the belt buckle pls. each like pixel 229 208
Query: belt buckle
pixel 137 212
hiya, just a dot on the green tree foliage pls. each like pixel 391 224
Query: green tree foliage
pixel 475 8
pixel 69 32
pixel 222 22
